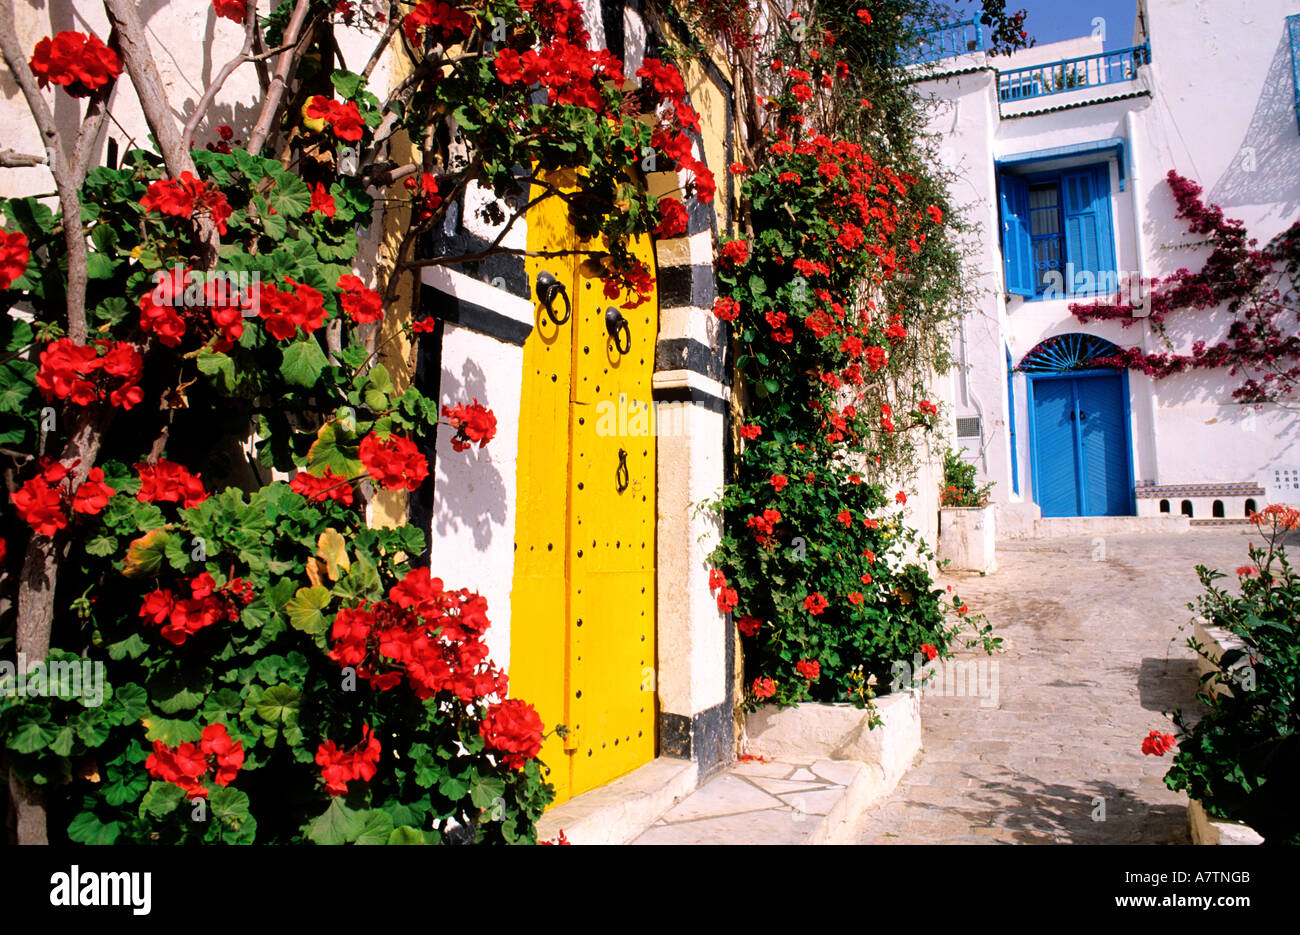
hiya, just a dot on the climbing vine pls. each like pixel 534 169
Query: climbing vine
pixel 1256 285
pixel 839 291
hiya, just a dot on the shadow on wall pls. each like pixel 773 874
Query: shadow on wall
pixel 1266 167
pixel 471 490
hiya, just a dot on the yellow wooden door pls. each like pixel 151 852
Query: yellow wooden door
pixel 582 609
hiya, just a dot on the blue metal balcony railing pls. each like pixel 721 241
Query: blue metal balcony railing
pixel 1071 74
pixel 945 42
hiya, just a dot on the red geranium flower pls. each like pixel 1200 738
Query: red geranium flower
pixel 814 603
pixel 93 494
pixel 512 729
pixel 343 118
pixel 901 497
pixel 328 486
pixel 322 201
pixel 748 624
pixel 339 767
pixel 716 579
pixel 763 688
pixel 170 482
pixel 14 254
pixel 80 63
pixel 394 462
pixel 930 651
pixel 727 599
pixel 1158 744
pixel 232 10
pixel 362 304
pixel 735 252
pixel 673 218
pixel 809 669
pixel 779 482
pixel 472 422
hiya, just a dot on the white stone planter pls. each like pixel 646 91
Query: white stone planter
pixel 841 732
pixel 1204 828
pixel 1208 830
pixel 966 538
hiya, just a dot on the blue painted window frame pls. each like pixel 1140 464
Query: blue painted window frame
pixel 1016 228
pixel 1033 378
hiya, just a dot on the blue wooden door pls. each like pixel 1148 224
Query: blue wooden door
pixel 1081 446
pixel 1056 474
pixel 1103 446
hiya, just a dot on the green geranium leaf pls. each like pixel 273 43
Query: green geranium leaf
pixel 305 608
pixel 303 363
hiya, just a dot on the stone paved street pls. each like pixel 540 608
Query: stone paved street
pixel 1096 633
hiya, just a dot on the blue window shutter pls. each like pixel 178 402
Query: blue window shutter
pixel 1017 255
pixel 1089 244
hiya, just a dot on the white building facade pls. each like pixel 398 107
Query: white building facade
pixel 1061 154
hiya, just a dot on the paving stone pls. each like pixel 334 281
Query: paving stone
pixel 1095 653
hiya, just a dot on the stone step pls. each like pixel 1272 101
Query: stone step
pixel 763 801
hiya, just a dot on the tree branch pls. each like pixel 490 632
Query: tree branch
pixel 10 159
pixel 210 93
pixel 283 67
pixel 69 200
pixel 148 86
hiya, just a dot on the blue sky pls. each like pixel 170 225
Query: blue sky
pixel 1054 20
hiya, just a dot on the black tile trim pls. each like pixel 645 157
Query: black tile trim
pixel 689 354
pixel 686 285
pixel 452 308
pixel 707 738
pixel 689 394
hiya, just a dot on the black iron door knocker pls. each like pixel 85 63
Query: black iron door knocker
pixel 618 329
pixel 621 477
pixel 548 289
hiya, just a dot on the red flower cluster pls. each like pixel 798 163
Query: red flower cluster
pixel 735 252
pixel 285 312
pixel 179 299
pixel 927 407
pixel 1245 571
pixel 77 372
pixel 749 625
pixel 322 201
pixel 727 597
pixel 472 422
pixel 184 196
pixel 339 767
pixel 431 637
pixel 429 201
pixel 232 10
pixel 513 730
pixel 763 688
pixel 570 73
pixel 751 432
pixel 673 218
pixel 444 23
pixel 930 651
pixel 363 305
pixel 80 63
pixel 328 486
pixel 14 254
pixel 395 462
pixel 764 525
pixel 726 309
pixel 810 669
pixel 815 604
pixel 216 752
pixel 41 501
pixel 207 604
pixel 170 482
pixel 778 482
pixel 1158 744
pixel 344 119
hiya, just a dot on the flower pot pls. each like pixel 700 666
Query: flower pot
pixel 966 538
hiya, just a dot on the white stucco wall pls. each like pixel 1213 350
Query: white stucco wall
pixel 1220 111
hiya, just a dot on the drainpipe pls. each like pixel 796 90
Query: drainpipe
pixel 1140 249
pixel 969 397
